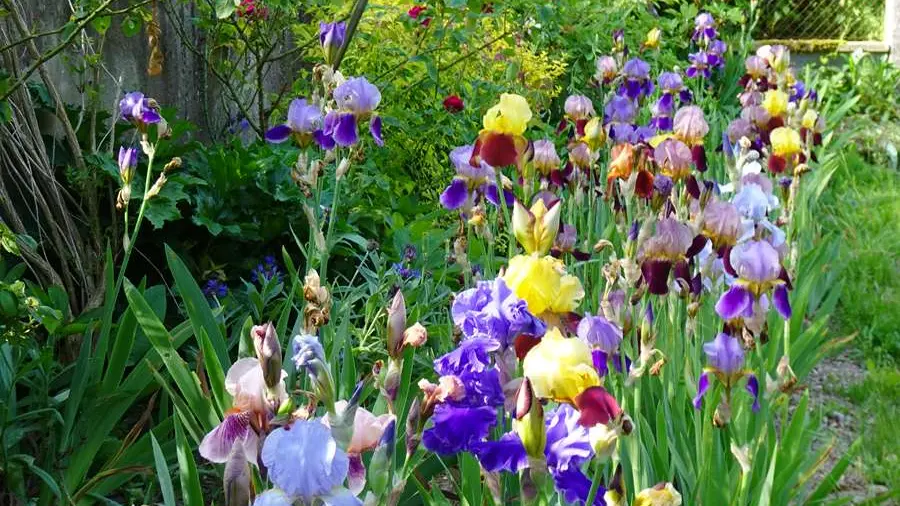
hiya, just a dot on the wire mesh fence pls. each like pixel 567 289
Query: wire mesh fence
pixel 852 20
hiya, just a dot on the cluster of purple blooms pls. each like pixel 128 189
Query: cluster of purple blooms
pixel 710 49
pixel 215 289
pixel 267 270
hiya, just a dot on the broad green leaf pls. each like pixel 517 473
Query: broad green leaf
pixel 197 307
pixel 225 8
pixel 183 377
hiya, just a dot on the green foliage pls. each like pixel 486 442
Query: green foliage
pixel 876 399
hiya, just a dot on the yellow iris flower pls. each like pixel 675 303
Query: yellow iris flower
pixel 663 494
pixel 785 142
pixel 775 103
pixel 560 368
pixel 544 285
pixel 510 116
pixel 536 228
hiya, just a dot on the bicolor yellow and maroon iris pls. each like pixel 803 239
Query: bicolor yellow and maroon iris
pixel 500 142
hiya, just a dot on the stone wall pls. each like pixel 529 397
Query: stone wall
pixel 892 28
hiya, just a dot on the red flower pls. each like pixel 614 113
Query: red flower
pixel 453 103
pixel 415 10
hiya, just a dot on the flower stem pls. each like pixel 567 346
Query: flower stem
pixel 595 484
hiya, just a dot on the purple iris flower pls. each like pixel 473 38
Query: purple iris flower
pixel 704 28
pixel 323 465
pixel 670 82
pixel 623 132
pixel 138 109
pixel 600 333
pixel 662 111
pixel 800 92
pixel 725 357
pixel 460 423
pixel 759 273
pixel 356 100
pixel 718 48
pixel 303 120
pixel 472 182
pixel 620 110
pixel 491 309
pixel 702 63
pixel 567 448
pixel 406 272
pixel 637 82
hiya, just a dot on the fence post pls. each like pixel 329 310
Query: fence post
pixel 892 28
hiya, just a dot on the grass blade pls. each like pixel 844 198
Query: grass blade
pixel 187 469
pixel 162 473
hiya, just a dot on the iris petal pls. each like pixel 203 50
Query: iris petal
pixel 782 305
pixel 345 133
pixel 375 130
pixel 702 388
pixel 753 389
pixel 278 134
pixel 733 302
pixel 455 195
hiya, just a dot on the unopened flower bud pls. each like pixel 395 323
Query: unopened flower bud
pixel 396 325
pixel 603 440
pixel 415 336
pixel 383 460
pixel 342 169
pixel 413 427
pixel 722 415
pixel 529 423
pixel 237 478
pixel 268 351
pixel 173 164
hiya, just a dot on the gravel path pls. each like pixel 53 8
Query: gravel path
pixel 842 421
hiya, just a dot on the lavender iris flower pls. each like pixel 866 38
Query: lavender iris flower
pixel 491 309
pixel 670 82
pixel 356 99
pixel 303 120
pixel 567 448
pixel 304 461
pixel 620 110
pixel 702 63
pixel 726 361
pixel 637 82
pixel 472 182
pixel 138 109
pixel 704 28
pixel 759 270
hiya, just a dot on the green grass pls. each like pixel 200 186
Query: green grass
pixel 861 209
pixel 878 409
